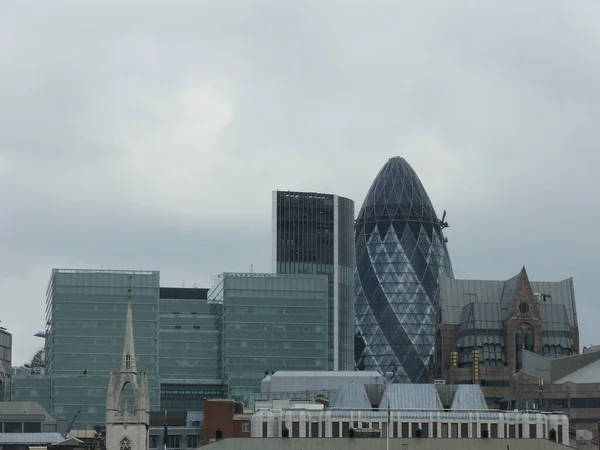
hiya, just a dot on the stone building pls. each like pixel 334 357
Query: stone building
pixel 128 401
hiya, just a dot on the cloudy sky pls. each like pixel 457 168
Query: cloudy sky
pixel 149 135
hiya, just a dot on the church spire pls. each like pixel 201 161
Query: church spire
pixel 128 362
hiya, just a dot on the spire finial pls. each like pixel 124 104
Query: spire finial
pixel 128 362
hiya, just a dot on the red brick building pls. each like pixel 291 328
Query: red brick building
pixel 484 326
pixel 225 418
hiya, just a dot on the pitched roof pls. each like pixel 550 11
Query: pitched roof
pixel 469 396
pixel 351 394
pixel 456 294
pixel 16 409
pixel 410 396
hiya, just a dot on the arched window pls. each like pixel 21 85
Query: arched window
pixel 524 339
pixel 125 444
pixel 529 341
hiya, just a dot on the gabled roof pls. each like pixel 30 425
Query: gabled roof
pixel 468 396
pixel 70 442
pixel 410 396
pixel 351 394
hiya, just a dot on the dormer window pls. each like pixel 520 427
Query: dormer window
pixel 128 361
pixel 524 308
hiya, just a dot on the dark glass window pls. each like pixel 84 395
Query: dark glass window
pixel 345 429
pixel 314 429
pixel 32 427
pixel 295 429
pixel 335 429
pixel 454 427
pixel 404 429
pixel 464 430
pixel 532 431
pixel 494 430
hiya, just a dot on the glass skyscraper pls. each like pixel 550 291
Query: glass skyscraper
pixel 400 254
pixel 313 234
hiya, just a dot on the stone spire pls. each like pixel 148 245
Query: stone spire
pixel 128 362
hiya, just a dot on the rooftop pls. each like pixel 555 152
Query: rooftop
pixel 15 409
pixel 493 295
pixel 30 438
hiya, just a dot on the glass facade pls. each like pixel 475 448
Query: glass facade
pixel 314 234
pixel 269 322
pixel 188 358
pixel 85 315
pixel 26 387
pixel 400 255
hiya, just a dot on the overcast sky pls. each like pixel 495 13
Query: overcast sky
pixel 150 134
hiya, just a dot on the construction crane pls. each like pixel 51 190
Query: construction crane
pixel 40 334
pixel 70 426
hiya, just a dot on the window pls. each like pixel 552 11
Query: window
pixel 32 427
pixel 524 339
pixel 128 361
pixel 125 444
pixel 245 428
pixel 524 308
pixel 532 431
pixel 335 429
pixel 153 441
pixel 494 430
pixel 174 441
pixel 193 441
pixel 314 429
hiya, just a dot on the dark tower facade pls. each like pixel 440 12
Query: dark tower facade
pixel 314 234
pixel 400 254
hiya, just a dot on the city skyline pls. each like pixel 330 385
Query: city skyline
pixel 121 151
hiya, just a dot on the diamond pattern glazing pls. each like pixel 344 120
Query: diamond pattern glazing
pixel 400 254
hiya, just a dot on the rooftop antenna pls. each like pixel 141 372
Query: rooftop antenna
pixel 251 268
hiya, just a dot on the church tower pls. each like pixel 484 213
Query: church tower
pixel 128 401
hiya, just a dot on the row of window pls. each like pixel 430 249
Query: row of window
pixel 21 427
pixel 416 429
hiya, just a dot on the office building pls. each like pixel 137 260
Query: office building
pixel 400 255
pixel 269 322
pixel 85 313
pixel 313 234
pixel 188 355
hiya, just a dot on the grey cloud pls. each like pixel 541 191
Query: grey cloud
pixel 150 135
